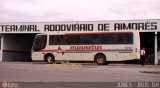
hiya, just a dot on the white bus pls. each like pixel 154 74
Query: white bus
pixel 94 46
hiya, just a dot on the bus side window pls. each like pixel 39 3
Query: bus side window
pixel 77 39
pixel 56 40
pixel 68 39
pixel 125 39
pixel 107 39
pixel 120 39
pixel 61 40
pixel 86 39
pixel 72 39
pixel 52 40
pixel 96 39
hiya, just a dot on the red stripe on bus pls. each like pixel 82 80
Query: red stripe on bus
pixel 50 51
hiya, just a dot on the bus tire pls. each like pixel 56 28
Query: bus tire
pixel 50 59
pixel 100 59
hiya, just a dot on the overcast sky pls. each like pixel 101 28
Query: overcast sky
pixel 77 10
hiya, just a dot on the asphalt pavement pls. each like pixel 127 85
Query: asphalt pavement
pixel 77 72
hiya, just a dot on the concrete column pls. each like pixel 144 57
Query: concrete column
pixel 155 46
pixel 1 51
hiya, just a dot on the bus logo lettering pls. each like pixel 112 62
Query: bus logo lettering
pixel 92 47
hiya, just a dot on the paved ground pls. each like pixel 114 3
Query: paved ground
pixel 42 72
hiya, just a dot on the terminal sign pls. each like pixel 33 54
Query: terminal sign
pixel 78 27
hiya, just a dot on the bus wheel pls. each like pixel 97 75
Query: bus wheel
pixel 100 59
pixel 50 59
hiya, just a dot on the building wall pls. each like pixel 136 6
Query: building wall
pixel 16 48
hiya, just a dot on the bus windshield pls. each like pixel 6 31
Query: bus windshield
pixel 39 42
